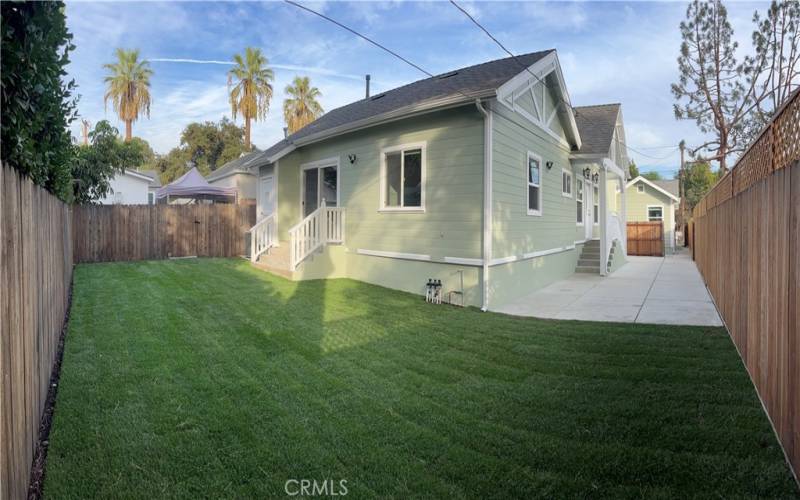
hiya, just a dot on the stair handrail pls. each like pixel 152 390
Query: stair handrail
pixel 307 236
pixel 262 236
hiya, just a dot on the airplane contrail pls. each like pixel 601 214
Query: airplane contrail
pixel 288 67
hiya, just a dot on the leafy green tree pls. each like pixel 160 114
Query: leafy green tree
pixel 105 156
pixel 652 176
pixel 250 88
pixel 210 145
pixel 699 179
pixel 37 103
pixel 128 89
pixel 633 170
pixel 207 145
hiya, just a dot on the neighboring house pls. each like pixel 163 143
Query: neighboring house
pixel 155 183
pixel 129 188
pixel 237 174
pixel 654 201
pixel 485 178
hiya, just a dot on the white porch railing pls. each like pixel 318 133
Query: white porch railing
pixel 262 237
pixel 321 227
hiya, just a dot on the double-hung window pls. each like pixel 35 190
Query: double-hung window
pixel 596 204
pixel 566 183
pixel 579 198
pixel 655 213
pixel 403 178
pixel 534 177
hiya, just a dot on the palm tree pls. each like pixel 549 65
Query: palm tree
pixel 301 107
pixel 252 91
pixel 128 87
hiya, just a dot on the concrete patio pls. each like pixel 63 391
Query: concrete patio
pixel 661 290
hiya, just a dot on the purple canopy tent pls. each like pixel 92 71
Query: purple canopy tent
pixel 192 187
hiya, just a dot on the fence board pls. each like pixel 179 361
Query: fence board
pixel 746 243
pixel 35 275
pixel 144 232
pixel 645 238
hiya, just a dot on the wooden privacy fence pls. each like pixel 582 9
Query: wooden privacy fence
pixel 645 238
pixel 35 276
pixel 141 232
pixel 746 242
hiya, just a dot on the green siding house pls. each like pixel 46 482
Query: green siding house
pixel 650 201
pixel 485 178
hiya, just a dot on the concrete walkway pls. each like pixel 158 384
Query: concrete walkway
pixel 657 290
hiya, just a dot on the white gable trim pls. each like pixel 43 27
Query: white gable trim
pixel 541 68
pixel 652 185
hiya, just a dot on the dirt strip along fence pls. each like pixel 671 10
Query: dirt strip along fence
pixel 746 243
pixel 144 232
pixel 35 277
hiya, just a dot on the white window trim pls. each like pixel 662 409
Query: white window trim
pixel 422 146
pixel 582 200
pixel 569 173
pixel 662 213
pixel 540 210
pixel 640 188
pixel 327 162
pixel 595 202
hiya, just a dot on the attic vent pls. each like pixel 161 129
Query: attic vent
pixel 376 97
pixel 448 75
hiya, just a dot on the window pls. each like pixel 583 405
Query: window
pixel 655 213
pixel 403 178
pixel 151 198
pixel 534 176
pixel 566 183
pixel 640 188
pixel 596 204
pixel 579 198
pixel 118 198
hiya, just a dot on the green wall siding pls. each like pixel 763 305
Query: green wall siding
pixel 514 231
pixel 452 221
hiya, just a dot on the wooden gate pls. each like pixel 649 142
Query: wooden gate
pixel 646 238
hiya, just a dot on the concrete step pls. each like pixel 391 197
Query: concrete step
pixel 588 269
pixel 589 262
pixel 286 273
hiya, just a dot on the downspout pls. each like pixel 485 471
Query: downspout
pixel 487 199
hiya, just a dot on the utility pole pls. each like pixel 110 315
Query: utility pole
pixel 682 190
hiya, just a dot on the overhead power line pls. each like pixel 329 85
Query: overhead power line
pixel 373 42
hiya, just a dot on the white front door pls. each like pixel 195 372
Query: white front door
pixel 266 196
pixel 588 209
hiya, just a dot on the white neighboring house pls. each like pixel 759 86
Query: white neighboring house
pixel 132 187
pixel 237 174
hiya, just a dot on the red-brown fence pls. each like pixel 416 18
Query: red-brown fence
pixel 746 243
pixel 35 276
pixel 142 232
pixel 645 238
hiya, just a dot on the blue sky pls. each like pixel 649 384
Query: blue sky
pixel 609 51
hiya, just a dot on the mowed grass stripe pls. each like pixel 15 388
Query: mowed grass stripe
pixel 211 378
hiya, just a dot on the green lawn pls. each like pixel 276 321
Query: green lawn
pixel 209 378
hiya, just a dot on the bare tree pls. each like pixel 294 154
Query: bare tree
pixel 776 41
pixel 730 101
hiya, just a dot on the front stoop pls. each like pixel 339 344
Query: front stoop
pixel 589 260
pixel 276 260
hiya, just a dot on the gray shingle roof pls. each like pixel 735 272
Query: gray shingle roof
pixel 472 80
pixel 596 127
pixel 156 182
pixel 670 186
pixel 239 164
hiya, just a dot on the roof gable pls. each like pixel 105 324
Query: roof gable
pixel 650 183
pixel 543 83
pixel 597 125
